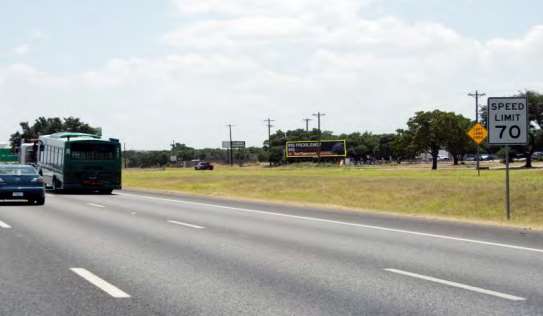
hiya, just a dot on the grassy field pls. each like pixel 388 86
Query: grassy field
pixel 449 192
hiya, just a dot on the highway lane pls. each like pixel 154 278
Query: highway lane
pixel 181 256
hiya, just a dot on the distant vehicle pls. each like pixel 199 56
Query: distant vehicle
pixel 203 165
pixel 470 158
pixel 83 162
pixel 21 182
pixel 28 153
pixel 442 158
pixel 538 155
pixel 487 157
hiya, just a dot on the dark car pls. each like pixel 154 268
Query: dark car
pixel 202 165
pixel 21 182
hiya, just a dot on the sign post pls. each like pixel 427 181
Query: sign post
pixel 507 190
pixel 478 134
pixel 507 126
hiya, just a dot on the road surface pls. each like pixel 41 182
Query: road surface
pixel 149 254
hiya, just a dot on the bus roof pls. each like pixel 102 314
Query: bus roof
pixel 74 137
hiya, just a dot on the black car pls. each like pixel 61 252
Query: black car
pixel 21 182
pixel 202 165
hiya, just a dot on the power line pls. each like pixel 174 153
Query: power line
pixel 307 123
pixel 477 95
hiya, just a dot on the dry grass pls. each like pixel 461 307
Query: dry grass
pixel 449 192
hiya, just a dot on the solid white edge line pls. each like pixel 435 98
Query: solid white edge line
pixel 4 225
pixel 185 224
pixel 316 219
pixel 458 285
pixel 96 205
pixel 100 283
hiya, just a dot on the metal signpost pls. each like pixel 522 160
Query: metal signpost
pixel 507 126
pixel 478 133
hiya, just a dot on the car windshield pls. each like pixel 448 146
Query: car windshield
pixel 17 171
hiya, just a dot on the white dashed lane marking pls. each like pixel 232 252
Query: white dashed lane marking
pixel 363 226
pixel 185 224
pixel 100 283
pixel 458 285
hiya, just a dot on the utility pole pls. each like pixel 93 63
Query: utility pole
pixel 124 155
pixel 268 123
pixel 231 152
pixel 307 123
pixel 319 115
pixel 477 95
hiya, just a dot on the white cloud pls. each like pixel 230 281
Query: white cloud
pixel 242 61
pixel 21 49
pixel 34 37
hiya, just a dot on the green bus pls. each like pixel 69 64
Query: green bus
pixel 81 162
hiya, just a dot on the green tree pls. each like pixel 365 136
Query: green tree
pixel 457 142
pixel 403 147
pixel 428 133
pixel 183 152
pixel 46 126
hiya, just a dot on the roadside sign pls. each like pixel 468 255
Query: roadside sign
pixel 173 158
pixel 236 144
pixel 508 121
pixel 478 133
pixel 316 149
pixel 508 125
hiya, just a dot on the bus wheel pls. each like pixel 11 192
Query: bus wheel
pixel 57 185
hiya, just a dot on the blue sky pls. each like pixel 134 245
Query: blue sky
pixel 82 35
pixel 241 60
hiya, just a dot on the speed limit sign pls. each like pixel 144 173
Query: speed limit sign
pixel 508 121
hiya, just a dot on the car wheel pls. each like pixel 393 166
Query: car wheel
pixel 39 201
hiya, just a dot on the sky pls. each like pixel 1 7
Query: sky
pixel 149 72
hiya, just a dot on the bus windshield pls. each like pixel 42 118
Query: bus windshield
pixel 92 151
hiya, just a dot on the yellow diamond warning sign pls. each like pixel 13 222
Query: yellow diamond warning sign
pixel 478 133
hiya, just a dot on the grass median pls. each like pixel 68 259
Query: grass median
pixel 451 192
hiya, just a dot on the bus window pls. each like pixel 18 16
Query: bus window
pixel 92 151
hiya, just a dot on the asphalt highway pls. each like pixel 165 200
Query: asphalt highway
pixel 134 253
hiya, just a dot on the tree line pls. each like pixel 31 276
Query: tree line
pixel 426 132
